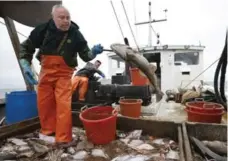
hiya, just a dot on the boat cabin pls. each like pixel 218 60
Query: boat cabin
pixel 176 65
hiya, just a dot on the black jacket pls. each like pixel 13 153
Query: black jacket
pixel 88 71
pixel 47 38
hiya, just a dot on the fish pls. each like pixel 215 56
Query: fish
pixel 55 155
pixel 80 155
pixel 130 147
pixel 206 152
pixel 38 148
pixel 99 153
pixel 136 134
pixel 172 155
pixel 218 147
pixel 134 58
pixel 131 158
pixel 71 150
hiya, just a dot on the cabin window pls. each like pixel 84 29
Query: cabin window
pixel 189 58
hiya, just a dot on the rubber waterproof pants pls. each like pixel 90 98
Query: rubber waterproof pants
pixel 54 98
pixel 81 83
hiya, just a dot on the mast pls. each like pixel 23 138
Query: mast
pixel 150 24
pixel 150 34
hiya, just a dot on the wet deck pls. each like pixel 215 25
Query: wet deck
pixel 171 112
pixel 163 111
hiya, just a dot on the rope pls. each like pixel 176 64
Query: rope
pixel 202 72
pixel 17 31
pixel 130 25
pixel 134 10
pixel 155 33
pixel 117 19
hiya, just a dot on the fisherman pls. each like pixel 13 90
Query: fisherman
pixel 83 76
pixel 59 41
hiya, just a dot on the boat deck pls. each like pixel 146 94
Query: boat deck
pixel 162 110
pixel 167 111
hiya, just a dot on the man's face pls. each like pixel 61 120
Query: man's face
pixel 97 64
pixel 61 18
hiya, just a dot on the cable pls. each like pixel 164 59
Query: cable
pixel 130 25
pixel 134 10
pixel 117 19
pixel 153 30
pixel 155 34
pixel 17 31
pixel 202 72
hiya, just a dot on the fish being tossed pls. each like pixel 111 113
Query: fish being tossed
pixel 135 58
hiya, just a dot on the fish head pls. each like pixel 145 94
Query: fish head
pixel 125 52
pixel 152 67
pixel 120 50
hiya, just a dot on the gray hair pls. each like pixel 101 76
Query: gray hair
pixel 56 7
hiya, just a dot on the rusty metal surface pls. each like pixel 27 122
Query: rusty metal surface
pixel 202 131
pixel 29 13
pixel 151 127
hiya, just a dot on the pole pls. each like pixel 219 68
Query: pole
pixel 16 45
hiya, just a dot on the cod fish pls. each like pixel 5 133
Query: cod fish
pixel 135 58
pixel 206 152
pixel 217 146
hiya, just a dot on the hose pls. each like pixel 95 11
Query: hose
pixel 220 95
pixel 223 76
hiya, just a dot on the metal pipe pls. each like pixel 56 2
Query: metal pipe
pixel 150 34
pixel 108 50
pixel 142 23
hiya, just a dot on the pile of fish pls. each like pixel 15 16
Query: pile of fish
pixel 209 150
pixel 132 146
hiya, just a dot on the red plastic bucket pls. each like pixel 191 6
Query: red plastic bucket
pixel 205 107
pixel 204 117
pixel 136 78
pixel 130 107
pixel 207 112
pixel 99 123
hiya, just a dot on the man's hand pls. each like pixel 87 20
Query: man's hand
pixel 97 49
pixel 102 75
pixel 29 76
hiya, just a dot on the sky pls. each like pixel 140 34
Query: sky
pixel 189 22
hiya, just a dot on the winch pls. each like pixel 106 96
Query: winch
pixel 110 93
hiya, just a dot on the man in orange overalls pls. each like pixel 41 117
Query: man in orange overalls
pixel 59 41
pixel 82 77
